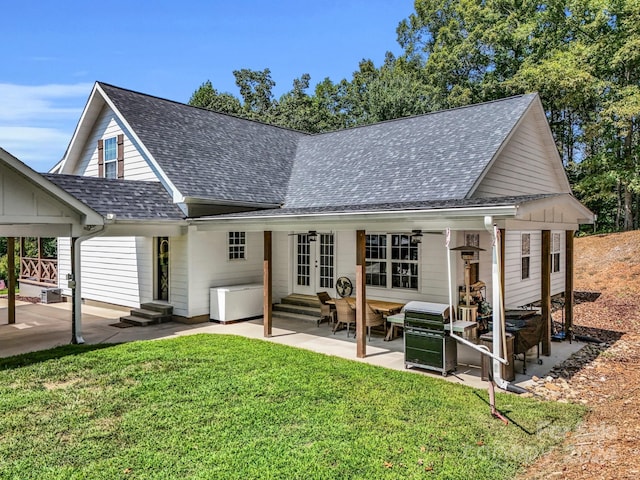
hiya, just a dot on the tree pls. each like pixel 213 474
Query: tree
pixel 208 97
pixel 256 91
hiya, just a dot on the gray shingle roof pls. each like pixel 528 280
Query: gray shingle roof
pixel 128 199
pixel 434 156
pixel 208 154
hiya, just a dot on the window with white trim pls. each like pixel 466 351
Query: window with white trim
pixel 110 158
pixel 555 252
pixel 237 245
pixel 526 255
pixel 376 260
pixel 392 260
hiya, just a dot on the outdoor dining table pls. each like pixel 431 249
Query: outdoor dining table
pixel 380 306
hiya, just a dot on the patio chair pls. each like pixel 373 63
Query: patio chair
pixel 373 319
pixel 327 311
pixel 346 315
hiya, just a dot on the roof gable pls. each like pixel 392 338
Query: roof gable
pixel 208 155
pixel 528 162
pixel 428 157
pixel 30 200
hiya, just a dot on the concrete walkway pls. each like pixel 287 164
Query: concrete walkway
pixel 40 327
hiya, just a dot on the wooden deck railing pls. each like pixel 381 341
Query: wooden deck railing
pixel 40 270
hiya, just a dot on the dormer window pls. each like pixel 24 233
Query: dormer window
pixel 110 158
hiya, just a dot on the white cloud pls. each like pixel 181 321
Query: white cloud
pixel 39 147
pixel 36 122
pixel 18 102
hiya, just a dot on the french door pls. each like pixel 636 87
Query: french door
pixel 314 263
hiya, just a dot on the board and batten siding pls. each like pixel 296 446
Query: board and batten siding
pixel 522 167
pixel 136 166
pixel 116 270
pixel 519 292
pixel 209 265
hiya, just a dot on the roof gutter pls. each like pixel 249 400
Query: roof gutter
pixel 505 210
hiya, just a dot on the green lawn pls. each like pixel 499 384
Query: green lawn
pixel 212 406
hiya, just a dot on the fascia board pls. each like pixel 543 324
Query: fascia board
pixel 89 114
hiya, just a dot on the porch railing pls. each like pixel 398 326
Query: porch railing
pixel 40 270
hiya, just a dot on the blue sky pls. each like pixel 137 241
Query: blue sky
pixel 52 52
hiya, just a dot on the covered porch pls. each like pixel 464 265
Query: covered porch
pixel 442 226
pixel 40 327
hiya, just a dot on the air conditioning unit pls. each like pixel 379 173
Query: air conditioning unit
pixel 50 295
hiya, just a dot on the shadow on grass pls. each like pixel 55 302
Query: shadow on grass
pixel 506 414
pixel 26 359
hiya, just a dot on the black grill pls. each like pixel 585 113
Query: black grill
pixel 427 344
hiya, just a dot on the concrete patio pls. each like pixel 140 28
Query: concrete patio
pixel 40 327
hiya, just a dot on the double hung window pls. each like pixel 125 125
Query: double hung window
pixel 526 255
pixel 237 245
pixel 555 252
pixel 392 260
pixel 110 158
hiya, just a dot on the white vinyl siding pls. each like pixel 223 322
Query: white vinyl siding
pixel 432 269
pixel 558 278
pixel 520 292
pixel 522 167
pixel 179 275
pixel 282 269
pixel 115 270
pixel 136 166
pixel 209 266
pixel 64 264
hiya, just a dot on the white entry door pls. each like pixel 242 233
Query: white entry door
pixel 314 264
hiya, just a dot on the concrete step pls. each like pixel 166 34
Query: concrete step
pixel 161 307
pixel 150 314
pixel 295 316
pixel 138 321
pixel 298 309
pixel 303 300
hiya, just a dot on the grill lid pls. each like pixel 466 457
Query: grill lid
pixel 441 309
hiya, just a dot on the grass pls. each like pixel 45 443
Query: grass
pixel 211 406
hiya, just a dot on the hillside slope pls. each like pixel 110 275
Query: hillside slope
pixel 607 444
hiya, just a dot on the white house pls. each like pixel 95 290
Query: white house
pixel 192 199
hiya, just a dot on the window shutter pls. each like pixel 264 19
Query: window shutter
pixel 120 156
pixel 100 158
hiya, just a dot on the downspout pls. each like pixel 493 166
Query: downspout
pixel 76 315
pixel 499 335
pixel 452 311
pixel 482 349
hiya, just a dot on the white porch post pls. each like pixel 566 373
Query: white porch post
pixel 76 260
